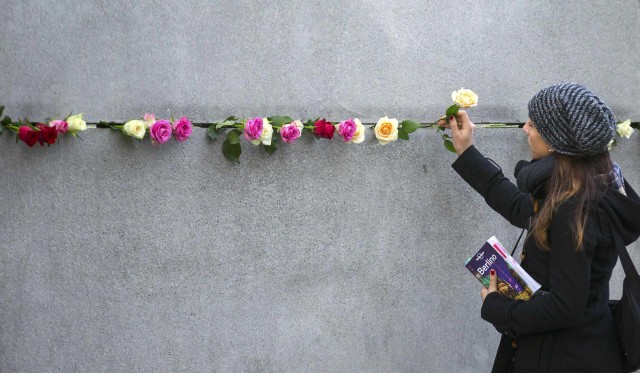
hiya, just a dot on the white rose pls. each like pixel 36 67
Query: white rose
pixel 135 128
pixel 464 98
pixel 386 130
pixel 76 123
pixel 266 135
pixel 358 136
pixel 624 129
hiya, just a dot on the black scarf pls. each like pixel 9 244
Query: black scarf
pixel 533 176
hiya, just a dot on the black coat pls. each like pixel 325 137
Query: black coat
pixel 566 327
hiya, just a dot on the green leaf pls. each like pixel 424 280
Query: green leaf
pixel 402 134
pixel 231 151
pixel 270 148
pixel 445 136
pixel 309 122
pixel 279 120
pixel 6 121
pixel 449 145
pixel 1 111
pixel 409 126
pixel 234 137
pixel 226 123
pixel 211 131
pixel 452 110
pixel 25 122
pixel 231 119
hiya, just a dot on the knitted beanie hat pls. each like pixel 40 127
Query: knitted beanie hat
pixel 572 120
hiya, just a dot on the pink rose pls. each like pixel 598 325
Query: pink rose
pixel 290 132
pixel 149 119
pixel 253 129
pixel 60 125
pixel 347 129
pixel 182 129
pixel 160 132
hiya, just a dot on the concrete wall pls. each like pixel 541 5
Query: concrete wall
pixel 323 257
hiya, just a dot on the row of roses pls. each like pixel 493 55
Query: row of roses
pixel 160 131
pixel 258 131
pixel 43 133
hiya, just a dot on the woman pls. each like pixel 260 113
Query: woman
pixel 572 199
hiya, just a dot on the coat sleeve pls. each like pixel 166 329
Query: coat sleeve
pixel 498 191
pixel 569 277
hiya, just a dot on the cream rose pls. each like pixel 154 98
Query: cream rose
pixel 76 123
pixel 358 136
pixel 135 128
pixel 386 130
pixel 266 135
pixel 464 98
pixel 624 129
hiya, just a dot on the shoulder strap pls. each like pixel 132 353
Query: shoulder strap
pixel 517 242
pixel 623 254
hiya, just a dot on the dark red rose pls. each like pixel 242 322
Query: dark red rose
pixel 28 135
pixel 323 129
pixel 22 133
pixel 47 134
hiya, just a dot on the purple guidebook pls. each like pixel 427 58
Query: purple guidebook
pixel 513 281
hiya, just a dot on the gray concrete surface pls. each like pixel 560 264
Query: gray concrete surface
pixel 323 257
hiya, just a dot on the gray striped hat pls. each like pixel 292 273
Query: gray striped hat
pixel 572 120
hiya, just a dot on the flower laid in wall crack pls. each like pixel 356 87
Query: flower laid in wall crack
pixel 43 133
pixel 623 129
pixel 159 131
pixel 263 132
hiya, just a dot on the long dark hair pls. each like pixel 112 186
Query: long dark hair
pixel 571 176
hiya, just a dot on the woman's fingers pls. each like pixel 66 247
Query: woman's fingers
pixel 493 281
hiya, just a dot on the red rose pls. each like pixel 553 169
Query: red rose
pixel 323 129
pixel 28 135
pixel 47 134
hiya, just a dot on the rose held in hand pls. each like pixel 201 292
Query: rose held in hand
pixel 464 98
pixel 160 131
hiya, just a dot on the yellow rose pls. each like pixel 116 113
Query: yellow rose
pixel 76 123
pixel 135 128
pixel 464 98
pixel 358 136
pixel 624 129
pixel 386 130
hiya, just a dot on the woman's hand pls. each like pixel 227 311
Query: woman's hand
pixel 493 285
pixel 461 130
